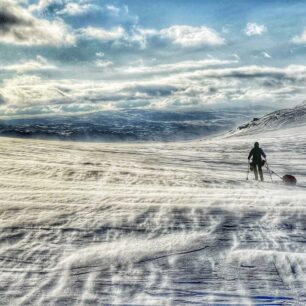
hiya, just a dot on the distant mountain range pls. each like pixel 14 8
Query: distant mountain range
pixel 128 125
pixel 288 117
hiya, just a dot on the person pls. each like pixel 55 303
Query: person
pixel 256 153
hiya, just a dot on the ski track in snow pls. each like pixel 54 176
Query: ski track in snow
pixel 152 223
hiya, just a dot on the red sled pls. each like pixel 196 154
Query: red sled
pixel 289 180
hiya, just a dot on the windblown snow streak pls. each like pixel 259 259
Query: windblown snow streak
pixel 164 224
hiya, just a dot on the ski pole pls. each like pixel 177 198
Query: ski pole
pixel 276 174
pixel 247 178
pixel 269 171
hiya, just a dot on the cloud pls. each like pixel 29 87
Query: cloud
pixel 84 13
pixel 291 72
pixel 180 35
pixel 266 55
pixel 254 29
pixel 19 27
pixel 177 67
pixel 77 9
pixel 140 37
pixel 188 36
pixel 300 39
pixel 259 85
pixel 2 100
pixel 40 63
pixel 104 64
pixel 45 4
pixel 102 34
pixel 73 8
pixel 135 36
pixel 100 54
pixel 114 9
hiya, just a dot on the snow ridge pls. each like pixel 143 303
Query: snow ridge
pixel 283 118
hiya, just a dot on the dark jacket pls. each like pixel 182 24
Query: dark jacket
pixel 257 153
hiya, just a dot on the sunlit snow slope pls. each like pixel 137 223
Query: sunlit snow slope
pixel 283 118
pixel 152 224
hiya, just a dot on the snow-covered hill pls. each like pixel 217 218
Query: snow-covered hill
pixel 151 223
pixel 275 120
pixel 126 125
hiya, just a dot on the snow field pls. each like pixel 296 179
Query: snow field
pixel 152 223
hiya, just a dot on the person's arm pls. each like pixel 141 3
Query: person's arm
pixel 263 154
pixel 251 153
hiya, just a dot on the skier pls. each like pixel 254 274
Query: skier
pixel 257 162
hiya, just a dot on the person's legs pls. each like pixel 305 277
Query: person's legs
pixel 260 173
pixel 256 172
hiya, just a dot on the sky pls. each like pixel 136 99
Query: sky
pixel 60 57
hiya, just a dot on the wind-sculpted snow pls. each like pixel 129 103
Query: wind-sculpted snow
pixel 152 224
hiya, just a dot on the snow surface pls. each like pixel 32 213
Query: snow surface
pixel 152 223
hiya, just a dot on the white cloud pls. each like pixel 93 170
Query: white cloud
pixel 184 36
pixel 181 35
pixel 114 9
pixel 76 9
pixel 266 55
pixel 40 63
pixel 300 39
pixel 19 27
pixel 72 8
pixel 104 64
pixel 140 36
pixel 102 34
pixel 177 67
pixel 100 54
pixel 254 29
pixel 189 36
pixel 44 4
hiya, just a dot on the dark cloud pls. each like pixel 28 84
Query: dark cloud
pixel 19 27
pixel 155 90
pixel 9 19
pixel 2 100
